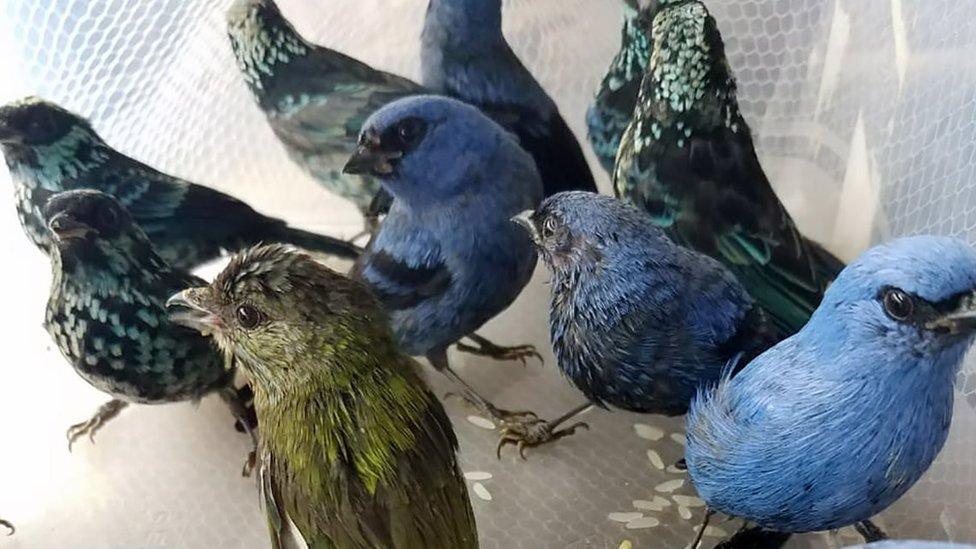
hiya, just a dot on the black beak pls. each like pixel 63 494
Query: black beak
pixel 65 228
pixel 525 221
pixel 371 161
pixel 961 320
pixel 188 308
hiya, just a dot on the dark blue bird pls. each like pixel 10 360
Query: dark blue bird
pixel 636 321
pixel 687 158
pixel 834 424
pixel 49 149
pixel 464 55
pixel 447 259
pixel 107 315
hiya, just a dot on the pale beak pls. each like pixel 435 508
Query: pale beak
pixel 962 320
pixel 525 221
pixel 65 228
pixel 188 308
pixel 371 161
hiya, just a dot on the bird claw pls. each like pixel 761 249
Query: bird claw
pixel 497 352
pixel 104 413
pixel 532 433
pixel 249 463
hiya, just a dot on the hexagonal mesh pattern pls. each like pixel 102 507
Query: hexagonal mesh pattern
pixel 863 113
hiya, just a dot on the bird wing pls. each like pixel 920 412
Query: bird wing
pixel 398 284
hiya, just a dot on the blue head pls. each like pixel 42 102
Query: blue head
pixel 429 149
pixel 913 299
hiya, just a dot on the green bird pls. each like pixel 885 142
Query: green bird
pixel 355 451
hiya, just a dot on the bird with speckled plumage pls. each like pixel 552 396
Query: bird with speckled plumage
pixel 609 115
pixel 834 424
pixel 49 149
pixel 636 321
pixel 687 158
pixel 315 98
pixel 447 259
pixel 106 312
pixel 464 55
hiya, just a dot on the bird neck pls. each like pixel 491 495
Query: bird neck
pixel 355 410
pixel 635 49
pixel 49 166
pixel 464 25
pixel 263 41
pixel 103 270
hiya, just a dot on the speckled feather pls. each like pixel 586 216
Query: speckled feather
pixel 49 149
pixel 464 55
pixel 636 321
pixel 447 258
pixel 316 99
pixel 106 312
pixel 834 424
pixel 687 158
pixel 356 451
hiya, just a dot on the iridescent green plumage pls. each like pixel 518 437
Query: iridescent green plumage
pixel 355 450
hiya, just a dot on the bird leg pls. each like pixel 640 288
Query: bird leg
pixel 870 531
pixel 701 530
pixel 532 432
pixel 8 526
pixel 492 350
pixel 438 360
pixel 244 414
pixel 104 413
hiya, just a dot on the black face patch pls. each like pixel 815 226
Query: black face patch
pixel 907 308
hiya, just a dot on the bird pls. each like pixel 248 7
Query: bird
pixel 315 98
pixel 464 55
pixel 447 259
pixel 106 313
pixel 687 158
pixel 636 321
pixel 355 450
pixel 49 149
pixel 613 106
pixel 833 424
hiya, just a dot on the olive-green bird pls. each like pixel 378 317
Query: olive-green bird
pixel 354 450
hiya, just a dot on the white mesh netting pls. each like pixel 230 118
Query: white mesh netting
pixel 863 114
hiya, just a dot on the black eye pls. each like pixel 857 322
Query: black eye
pixel 548 227
pixel 410 131
pixel 248 317
pixel 898 304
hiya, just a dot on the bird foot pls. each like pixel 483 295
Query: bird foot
pixel 104 413
pixel 500 415
pixel 870 531
pixel 249 463
pixel 497 352
pixel 10 527
pixel 532 432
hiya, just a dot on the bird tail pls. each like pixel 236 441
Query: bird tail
pixel 315 242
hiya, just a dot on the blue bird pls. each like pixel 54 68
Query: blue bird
pixel 49 149
pixel 464 55
pixel 609 115
pixel 636 321
pixel 447 259
pixel 315 98
pixel 687 158
pixel 832 425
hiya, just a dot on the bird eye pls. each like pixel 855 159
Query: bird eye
pixel 898 304
pixel 410 131
pixel 548 227
pixel 248 317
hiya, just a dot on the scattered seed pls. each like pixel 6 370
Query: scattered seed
pixel 481 491
pixel 685 513
pixel 674 470
pixel 643 522
pixel 688 501
pixel 648 432
pixel 670 485
pixel 482 422
pixel 715 532
pixel 626 544
pixel 679 438
pixel 624 517
pixel 656 504
pixel 478 475
pixel 655 458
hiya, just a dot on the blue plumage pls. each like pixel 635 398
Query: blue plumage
pixel 834 424
pixel 446 259
pixel 464 55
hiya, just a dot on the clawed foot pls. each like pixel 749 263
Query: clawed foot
pixel 249 463
pixel 105 413
pixel 10 527
pixel 489 410
pixel 870 531
pixel 532 432
pixel 491 350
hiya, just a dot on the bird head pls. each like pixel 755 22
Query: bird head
pixel 578 229
pixel 425 148
pixel 34 122
pixel 272 305
pixel 93 229
pixel 261 39
pixel 914 297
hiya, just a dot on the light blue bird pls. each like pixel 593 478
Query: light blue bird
pixel 835 423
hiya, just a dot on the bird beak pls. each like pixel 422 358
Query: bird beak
pixel 7 133
pixel 189 308
pixel 961 320
pixel 66 228
pixel 525 221
pixel 371 161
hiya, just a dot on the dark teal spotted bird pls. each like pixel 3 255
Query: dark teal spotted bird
pixel 687 158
